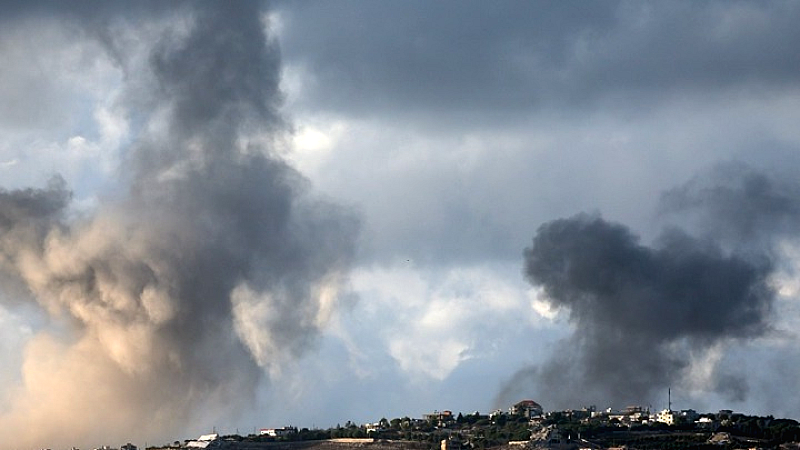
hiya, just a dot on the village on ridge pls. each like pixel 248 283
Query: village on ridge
pixel 525 425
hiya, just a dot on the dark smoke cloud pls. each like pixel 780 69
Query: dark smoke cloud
pixel 737 204
pixel 641 314
pixel 215 267
pixel 39 206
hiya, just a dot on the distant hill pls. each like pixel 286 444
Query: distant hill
pixel 331 444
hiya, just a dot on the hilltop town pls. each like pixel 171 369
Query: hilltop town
pixel 525 425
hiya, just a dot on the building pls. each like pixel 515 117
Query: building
pixel 440 419
pixel 688 415
pixel 704 422
pixel 724 414
pixel 204 441
pixel 445 416
pixel 666 416
pixel 526 408
pixel 376 427
pixel 634 415
pixel 551 438
pixel 277 432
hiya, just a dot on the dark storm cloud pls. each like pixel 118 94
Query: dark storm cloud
pixel 507 56
pixel 217 265
pixel 640 313
pixel 408 53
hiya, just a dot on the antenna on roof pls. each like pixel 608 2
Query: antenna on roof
pixel 669 399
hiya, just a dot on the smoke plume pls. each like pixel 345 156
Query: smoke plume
pixel 172 300
pixel 646 316
pixel 737 205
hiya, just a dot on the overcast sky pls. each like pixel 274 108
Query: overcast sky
pixel 386 208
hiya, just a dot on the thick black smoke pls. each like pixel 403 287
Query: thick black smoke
pixel 647 317
pixel 639 312
pixel 213 268
pixel 684 287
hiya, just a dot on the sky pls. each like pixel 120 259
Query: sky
pixel 234 216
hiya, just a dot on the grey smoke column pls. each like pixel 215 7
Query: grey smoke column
pixel 214 267
pixel 739 206
pixel 640 313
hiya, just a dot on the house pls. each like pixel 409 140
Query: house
pixel 631 415
pixel 413 423
pixel 666 416
pixel 688 415
pixel 204 441
pixel 440 419
pixel 704 422
pixel 376 427
pixel 724 414
pixel 583 413
pixel 277 432
pixel 526 408
pixel 444 416
pixel 552 439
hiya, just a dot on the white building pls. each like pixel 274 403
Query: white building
pixel 277 432
pixel 666 416
pixel 203 441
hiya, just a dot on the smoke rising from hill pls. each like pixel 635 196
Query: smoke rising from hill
pixel 214 267
pixel 645 316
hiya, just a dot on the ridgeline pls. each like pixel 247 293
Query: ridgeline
pixel 526 426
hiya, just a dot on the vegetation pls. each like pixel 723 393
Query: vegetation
pixel 478 431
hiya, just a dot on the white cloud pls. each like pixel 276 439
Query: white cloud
pixel 313 141
pixel 541 305
pixel 441 318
